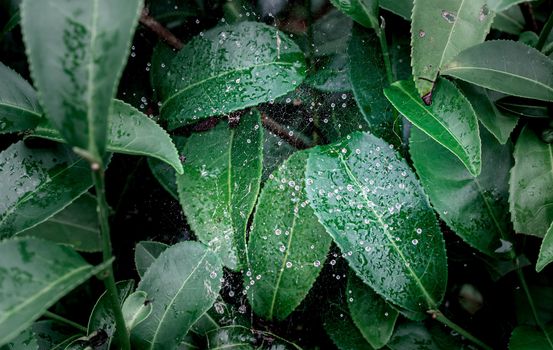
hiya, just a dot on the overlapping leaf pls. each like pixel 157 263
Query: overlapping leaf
pixel 364 12
pixel 146 253
pixel 546 250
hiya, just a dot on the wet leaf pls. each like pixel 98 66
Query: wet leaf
pixel 364 12
pixel 546 250
pixel 136 308
pixel 76 226
pixel 102 317
pixel 228 68
pixel 130 132
pixel 183 283
pixel 221 179
pixel 38 183
pixel 440 30
pixel 450 120
pixel 505 66
pixel 35 274
pixel 509 21
pixel 146 252
pixel 287 246
pixel 19 107
pixel 499 124
pixel 368 79
pixel 530 195
pixel 370 313
pixel 412 336
pixel 233 337
pixel 76 58
pixel 374 208
pixel 340 328
pixel 53 335
pixel 530 338
pixel 479 214
pixel 26 340
pixel 221 314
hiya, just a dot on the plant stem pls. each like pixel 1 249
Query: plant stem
pixel 121 331
pixel 545 32
pixel 64 320
pixel 381 33
pixel 441 318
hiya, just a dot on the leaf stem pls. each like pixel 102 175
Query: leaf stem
pixel 64 320
pixel 544 34
pixel 121 331
pixel 439 316
pixel 381 33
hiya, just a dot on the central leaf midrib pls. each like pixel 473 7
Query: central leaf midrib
pixel 459 10
pixel 90 81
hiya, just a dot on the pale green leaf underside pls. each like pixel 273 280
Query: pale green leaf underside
pixel 136 309
pixel 546 250
pixel 146 253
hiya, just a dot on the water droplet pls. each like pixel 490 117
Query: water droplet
pixel 316 263
pixel 288 264
pixel 415 241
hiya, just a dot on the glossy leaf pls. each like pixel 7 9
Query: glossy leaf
pixel 221 179
pixel 368 79
pixel 52 335
pixel 76 226
pixel 412 336
pixel 517 106
pixel 374 208
pixel 509 21
pixel 35 274
pixel 136 308
pixel 499 124
pixel 450 120
pixel 546 250
pixel 402 8
pixel 502 5
pixel 38 183
pixel 497 65
pixel 164 173
pixel 364 12
pixel 530 195
pixel 145 253
pixel 76 58
pixel 130 132
pixel 26 340
pixel 184 283
pixel 370 313
pixel 221 314
pixel 530 338
pixel 342 331
pixel 479 214
pixel 19 107
pixel 440 29
pixel 102 317
pixel 226 69
pixel 287 246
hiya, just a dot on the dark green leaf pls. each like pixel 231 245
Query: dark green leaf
pixel 440 30
pixel 509 21
pixel 502 5
pixel 374 208
pixel 76 225
pixel 38 183
pixel 221 180
pixel 287 246
pixel 11 24
pixel 479 214
pixel 530 195
pixel 505 66
pixel 26 340
pixel 102 317
pixel 76 58
pixel 19 107
pixel 330 33
pixel 364 12
pixel 530 338
pixel 523 107
pixel 184 281
pixel 52 335
pixel 340 328
pixel 136 309
pixel 370 313
pixel 412 336
pixel 546 250
pixel 450 120
pixel 130 132
pixel 332 76
pixel 402 8
pixel 35 274
pixel 146 252
pixel 226 69
pixel 173 13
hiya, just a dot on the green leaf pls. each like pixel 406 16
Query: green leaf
pixel 546 250
pixel 13 22
pixel 499 124
pixel 19 107
pixel 370 313
pixel 412 336
pixel 184 281
pixel 450 120
pixel 130 132
pixel 340 328
pixel 164 173
pixel 505 66
pixel 136 309
pixel 364 12
pixel 221 314
pixel 38 183
pixel 287 246
pixel 374 208
pixel 368 79
pixel 332 76
pixel 402 8
pixel 330 33
pixel 24 341
pixel 509 21
pixel 502 5
pixel 102 317
pixel 221 180
pixel 145 253
pixel 77 56
pixel 440 30
pixel 35 274
pixel 522 107
pixel 530 195
pixel 530 338
pixel 229 68
pixel 231 337
pixel 479 214
pixel 76 226
pixel 52 335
